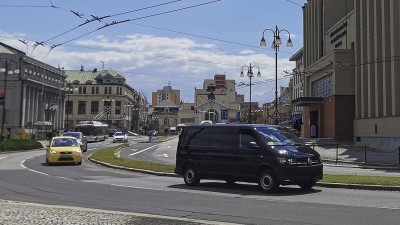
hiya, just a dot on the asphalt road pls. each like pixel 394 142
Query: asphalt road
pixel 24 177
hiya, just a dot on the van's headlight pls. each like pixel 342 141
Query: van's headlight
pixel 53 152
pixel 291 161
pixel 77 151
pixel 284 160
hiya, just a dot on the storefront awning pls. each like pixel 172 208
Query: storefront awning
pixel 306 101
pixel 42 123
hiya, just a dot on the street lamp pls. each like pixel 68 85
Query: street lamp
pixel 69 89
pixel 275 45
pixel 107 107
pixel 7 71
pixel 250 75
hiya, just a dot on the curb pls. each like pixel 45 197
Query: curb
pixel 358 186
pixel 150 172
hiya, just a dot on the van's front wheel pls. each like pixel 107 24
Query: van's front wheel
pixel 267 181
pixel 191 176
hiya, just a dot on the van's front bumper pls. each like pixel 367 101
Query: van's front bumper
pixel 289 174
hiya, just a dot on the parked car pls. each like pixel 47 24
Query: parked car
pixel 206 122
pixel 82 140
pixel 63 149
pixel 120 137
pixel 265 154
pixel 111 132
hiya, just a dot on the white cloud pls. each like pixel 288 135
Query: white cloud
pixel 149 62
pixel 247 52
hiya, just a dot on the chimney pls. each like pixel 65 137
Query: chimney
pixel 94 70
pixel 82 69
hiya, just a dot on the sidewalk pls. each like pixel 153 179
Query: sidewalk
pixel 17 213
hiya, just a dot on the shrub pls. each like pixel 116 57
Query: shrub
pixel 19 144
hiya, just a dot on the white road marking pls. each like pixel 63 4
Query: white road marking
pixel 135 153
pixel 22 164
pixel 164 155
pixel 2 158
pixel 169 146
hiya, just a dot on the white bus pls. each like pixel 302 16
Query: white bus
pixel 93 130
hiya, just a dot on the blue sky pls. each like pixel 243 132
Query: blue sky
pixel 187 42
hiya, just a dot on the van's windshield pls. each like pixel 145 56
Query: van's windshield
pixel 279 136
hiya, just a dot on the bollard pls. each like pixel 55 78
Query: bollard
pixel 337 153
pixel 365 153
pixel 399 156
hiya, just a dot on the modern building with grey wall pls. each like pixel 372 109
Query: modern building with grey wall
pixel 352 73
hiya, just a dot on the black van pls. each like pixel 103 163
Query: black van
pixel 265 154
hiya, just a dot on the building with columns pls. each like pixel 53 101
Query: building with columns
pixel 30 92
pixel 351 71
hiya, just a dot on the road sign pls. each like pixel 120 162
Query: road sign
pixel 276 115
pixel 224 114
pixel 238 116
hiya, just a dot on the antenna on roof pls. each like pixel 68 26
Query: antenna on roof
pixel 102 64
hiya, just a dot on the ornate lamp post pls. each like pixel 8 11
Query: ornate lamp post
pixel 250 75
pixel 275 45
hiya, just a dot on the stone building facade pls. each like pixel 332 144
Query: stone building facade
pixel 31 94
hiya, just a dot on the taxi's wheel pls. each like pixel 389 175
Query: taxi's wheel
pixel 79 163
pixel 47 162
pixel 191 176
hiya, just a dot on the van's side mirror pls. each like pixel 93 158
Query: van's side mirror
pixel 48 145
pixel 253 145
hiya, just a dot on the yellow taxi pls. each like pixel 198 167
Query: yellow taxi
pixel 64 149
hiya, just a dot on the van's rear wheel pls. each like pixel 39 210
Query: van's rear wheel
pixel 267 181
pixel 191 176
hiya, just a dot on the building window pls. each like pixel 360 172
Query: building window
pixel 166 121
pixel 109 90
pixel 84 90
pixel 81 107
pixel 323 87
pixel 118 107
pixel 97 90
pixel 105 90
pixel 93 90
pixel 94 108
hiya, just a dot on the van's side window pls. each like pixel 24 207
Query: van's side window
pixel 245 137
pixel 211 136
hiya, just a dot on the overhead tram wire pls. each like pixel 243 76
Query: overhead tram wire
pixel 139 18
pixel 154 27
pixel 100 18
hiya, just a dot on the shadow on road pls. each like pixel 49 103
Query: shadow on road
pixel 243 189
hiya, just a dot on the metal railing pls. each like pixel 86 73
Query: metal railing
pixel 342 153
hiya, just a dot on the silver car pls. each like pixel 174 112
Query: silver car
pixel 81 139
pixel 120 137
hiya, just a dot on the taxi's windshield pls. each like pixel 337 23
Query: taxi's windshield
pixel 279 136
